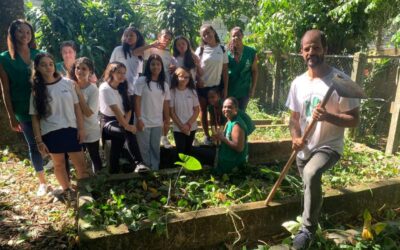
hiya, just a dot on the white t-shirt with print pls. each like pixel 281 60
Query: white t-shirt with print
pixel 165 57
pixel 62 98
pixel 133 64
pixel 178 62
pixel 212 61
pixel 91 123
pixel 152 101
pixel 304 95
pixel 109 96
pixel 183 102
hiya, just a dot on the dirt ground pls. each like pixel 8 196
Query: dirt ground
pixel 27 221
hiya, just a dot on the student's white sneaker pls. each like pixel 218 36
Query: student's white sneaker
pixel 42 190
pixel 49 165
pixel 165 142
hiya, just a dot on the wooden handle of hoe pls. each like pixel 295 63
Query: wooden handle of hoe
pixel 289 163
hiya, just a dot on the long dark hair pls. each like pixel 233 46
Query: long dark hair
pixel 175 79
pixel 188 61
pixel 111 68
pixel 11 40
pixel 41 96
pixel 208 26
pixel 148 73
pixel 79 61
pixel 128 48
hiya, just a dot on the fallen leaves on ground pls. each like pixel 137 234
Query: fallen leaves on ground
pixel 27 221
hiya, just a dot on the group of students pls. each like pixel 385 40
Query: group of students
pixel 57 105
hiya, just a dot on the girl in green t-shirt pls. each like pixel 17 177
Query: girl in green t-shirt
pixel 15 73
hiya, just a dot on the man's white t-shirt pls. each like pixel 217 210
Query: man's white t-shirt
pixel 304 95
pixel 133 64
pixel 165 57
pixel 91 124
pixel 62 97
pixel 109 96
pixel 152 102
pixel 183 102
pixel 212 61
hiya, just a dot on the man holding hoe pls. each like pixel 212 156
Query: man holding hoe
pixel 323 147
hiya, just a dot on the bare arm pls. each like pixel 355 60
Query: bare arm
pixel 5 87
pixel 193 118
pixel 199 70
pixel 176 119
pixel 138 112
pixel 38 137
pixel 122 120
pixel 295 131
pixel 346 119
pixel 225 78
pixel 166 116
pixel 82 103
pixel 254 76
pixel 79 122
pixel 238 139
pixel 140 51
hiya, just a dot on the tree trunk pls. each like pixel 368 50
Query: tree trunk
pixel 10 10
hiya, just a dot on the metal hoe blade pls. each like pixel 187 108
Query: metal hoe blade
pixel 347 88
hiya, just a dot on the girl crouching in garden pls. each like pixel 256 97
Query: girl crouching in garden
pixel 88 95
pixel 57 120
pixel 116 112
pixel 185 109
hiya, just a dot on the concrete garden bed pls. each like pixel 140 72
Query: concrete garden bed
pixel 206 228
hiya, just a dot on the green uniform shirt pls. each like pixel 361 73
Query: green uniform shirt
pixel 228 158
pixel 19 74
pixel 240 75
pixel 61 69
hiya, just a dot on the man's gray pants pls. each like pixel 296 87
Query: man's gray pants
pixel 311 171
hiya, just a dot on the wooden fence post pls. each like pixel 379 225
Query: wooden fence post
pixel 393 137
pixel 276 82
pixel 357 75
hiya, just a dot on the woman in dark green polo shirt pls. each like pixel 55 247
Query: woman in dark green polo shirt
pixel 242 68
pixel 15 73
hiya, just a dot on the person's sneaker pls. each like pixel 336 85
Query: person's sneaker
pixel 165 142
pixel 141 168
pixel 303 239
pixel 195 143
pixel 49 165
pixel 42 190
pixel 207 141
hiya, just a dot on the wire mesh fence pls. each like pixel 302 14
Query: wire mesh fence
pixel 378 78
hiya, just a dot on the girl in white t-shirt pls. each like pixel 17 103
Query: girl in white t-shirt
pixel 131 39
pixel 57 120
pixel 214 64
pixel 184 109
pixel 116 113
pixel 88 95
pixel 160 47
pixel 183 56
pixel 152 97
